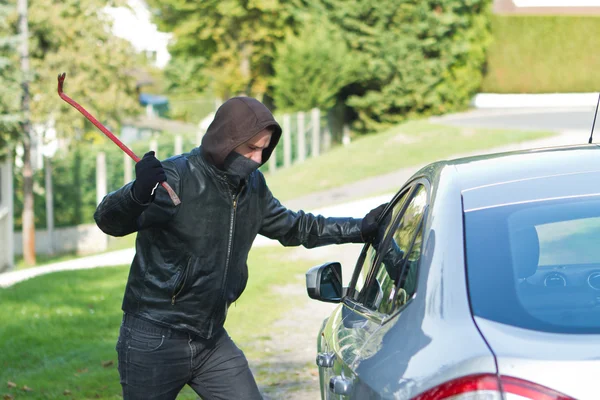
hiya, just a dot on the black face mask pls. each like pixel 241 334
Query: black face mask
pixel 239 167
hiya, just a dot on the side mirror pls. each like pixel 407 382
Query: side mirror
pixel 324 282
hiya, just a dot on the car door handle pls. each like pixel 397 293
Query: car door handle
pixel 325 360
pixel 340 385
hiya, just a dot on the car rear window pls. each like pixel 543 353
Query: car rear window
pixel 536 265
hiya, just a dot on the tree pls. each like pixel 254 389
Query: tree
pixel 9 76
pixel 229 44
pixel 312 67
pixel 421 57
pixel 73 37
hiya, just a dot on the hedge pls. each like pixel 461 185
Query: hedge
pixel 543 54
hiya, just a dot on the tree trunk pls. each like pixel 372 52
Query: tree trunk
pixel 28 214
pixel 49 205
pixel 77 184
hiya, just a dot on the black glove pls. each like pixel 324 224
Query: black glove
pixel 148 174
pixel 369 225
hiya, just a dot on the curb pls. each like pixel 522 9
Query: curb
pixel 543 100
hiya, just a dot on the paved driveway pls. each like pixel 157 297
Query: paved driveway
pixel 547 119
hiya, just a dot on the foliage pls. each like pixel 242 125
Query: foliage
pixel 10 77
pixel 73 37
pixel 386 59
pixel 422 57
pixel 543 54
pixel 230 43
pixel 312 67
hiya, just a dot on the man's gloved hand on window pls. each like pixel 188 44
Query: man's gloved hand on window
pixel 369 226
pixel 149 173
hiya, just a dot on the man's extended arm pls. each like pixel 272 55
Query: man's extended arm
pixel 121 213
pixel 299 228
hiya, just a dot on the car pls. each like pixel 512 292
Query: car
pixel 483 282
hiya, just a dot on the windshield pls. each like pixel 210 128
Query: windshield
pixel 536 265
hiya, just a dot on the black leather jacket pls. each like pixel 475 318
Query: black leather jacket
pixel 190 261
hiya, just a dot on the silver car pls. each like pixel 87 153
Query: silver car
pixel 482 284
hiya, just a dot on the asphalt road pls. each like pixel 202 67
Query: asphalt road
pixel 553 119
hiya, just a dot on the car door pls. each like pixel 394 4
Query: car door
pixel 383 282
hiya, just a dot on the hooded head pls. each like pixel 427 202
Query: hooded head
pixel 237 121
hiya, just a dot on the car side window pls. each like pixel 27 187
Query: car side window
pixel 393 281
pixel 369 253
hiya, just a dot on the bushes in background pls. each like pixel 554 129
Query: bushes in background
pixel 419 57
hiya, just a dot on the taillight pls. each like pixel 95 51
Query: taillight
pixel 489 387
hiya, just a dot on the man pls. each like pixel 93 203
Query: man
pixel 190 261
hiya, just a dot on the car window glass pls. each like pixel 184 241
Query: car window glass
pixel 394 280
pixel 540 261
pixel 569 242
pixel 370 253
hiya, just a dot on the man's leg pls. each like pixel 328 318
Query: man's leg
pixel 154 362
pixel 221 371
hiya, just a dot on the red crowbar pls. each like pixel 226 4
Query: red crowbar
pixel 61 79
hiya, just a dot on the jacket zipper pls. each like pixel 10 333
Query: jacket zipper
pixel 181 287
pixel 229 248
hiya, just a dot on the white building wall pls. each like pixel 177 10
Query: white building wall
pixel 134 24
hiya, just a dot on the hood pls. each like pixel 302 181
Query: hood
pixel 235 122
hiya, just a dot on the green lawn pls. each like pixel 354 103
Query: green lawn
pixel 114 243
pixel 405 145
pixel 59 331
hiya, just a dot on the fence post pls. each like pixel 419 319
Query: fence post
pixel 287 140
pixel 49 205
pixel 6 216
pixel 301 138
pixel 346 134
pixel 153 146
pixel 101 189
pixel 100 176
pixel 326 139
pixel 273 162
pixel 315 117
pixel 178 145
pixel 127 167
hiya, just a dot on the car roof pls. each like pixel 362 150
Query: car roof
pixel 526 175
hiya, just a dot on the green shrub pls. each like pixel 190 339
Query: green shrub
pixel 312 67
pixel 419 57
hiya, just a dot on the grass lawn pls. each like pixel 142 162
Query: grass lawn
pixel 405 145
pixel 59 331
pixel 114 243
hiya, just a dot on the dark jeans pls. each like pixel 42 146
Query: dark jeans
pixel 156 362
